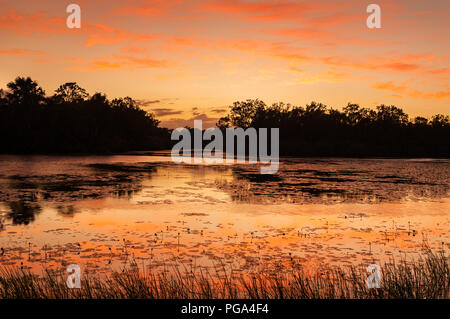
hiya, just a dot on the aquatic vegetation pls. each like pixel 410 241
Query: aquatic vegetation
pixel 428 277
pixel 316 214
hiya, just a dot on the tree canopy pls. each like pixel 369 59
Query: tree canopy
pixel 72 121
pixel 319 130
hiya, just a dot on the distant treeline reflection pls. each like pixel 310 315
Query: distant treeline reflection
pixel 71 121
pixel 24 195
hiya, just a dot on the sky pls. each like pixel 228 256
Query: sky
pixel 191 59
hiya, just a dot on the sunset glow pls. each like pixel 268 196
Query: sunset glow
pixel 186 60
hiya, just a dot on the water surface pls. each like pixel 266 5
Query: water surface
pixel 117 212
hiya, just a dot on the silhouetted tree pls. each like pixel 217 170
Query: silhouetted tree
pixel 420 121
pixel 71 121
pixel 242 113
pixel 24 91
pixel 391 115
pixel 70 92
pixel 2 98
pixel 440 121
pixel 318 130
pixel 355 114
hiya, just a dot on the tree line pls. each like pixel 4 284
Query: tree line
pixel 72 121
pixel 355 131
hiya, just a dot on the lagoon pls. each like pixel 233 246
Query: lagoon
pixel 118 212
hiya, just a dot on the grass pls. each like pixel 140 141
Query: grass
pixel 428 277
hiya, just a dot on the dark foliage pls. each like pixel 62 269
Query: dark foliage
pixel 71 121
pixel 318 130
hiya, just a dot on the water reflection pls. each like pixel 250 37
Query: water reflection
pixel 298 181
pixel 67 211
pixel 104 212
pixel 24 194
pixel 343 180
pixel 22 213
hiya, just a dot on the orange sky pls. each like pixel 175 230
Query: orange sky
pixel 187 59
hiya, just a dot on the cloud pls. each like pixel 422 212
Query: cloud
pixel 442 71
pixel 166 111
pixel 182 44
pixel 399 90
pixel 100 34
pixel 27 25
pixel 328 76
pixel 270 10
pixel 219 110
pixel 398 63
pixel 304 34
pixel 39 23
pixel 145 103
pixel 23 52
pixel 136 55
pixel 147 11
pixel 120 62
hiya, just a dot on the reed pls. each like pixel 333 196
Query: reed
pixel 427 277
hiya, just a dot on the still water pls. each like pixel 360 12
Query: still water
pixel 118 212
